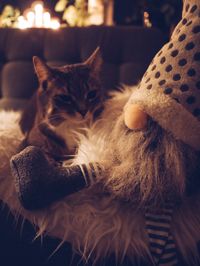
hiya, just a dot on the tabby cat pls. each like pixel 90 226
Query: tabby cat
pixel 67 100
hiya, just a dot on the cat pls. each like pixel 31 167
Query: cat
pixel 68 99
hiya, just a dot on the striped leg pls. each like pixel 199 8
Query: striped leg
pixel 162 245
pixel 169 256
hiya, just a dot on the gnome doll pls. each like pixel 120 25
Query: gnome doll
pixel 167 103
pixel 169 94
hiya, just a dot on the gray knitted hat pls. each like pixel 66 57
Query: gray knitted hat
pixel 170 89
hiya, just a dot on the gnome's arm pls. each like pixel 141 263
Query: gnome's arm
pixel 39 182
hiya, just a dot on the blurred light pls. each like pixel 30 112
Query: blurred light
pixel 30 18
pixel 36 16
pixel 108 12
pixel 38 7
pixel 22 23
pixel 146 20
pixel 96 11
pixel 55 24
pixel 46 19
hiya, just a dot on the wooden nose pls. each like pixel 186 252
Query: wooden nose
pixel 135 117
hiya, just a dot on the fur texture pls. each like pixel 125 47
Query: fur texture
pixel 108 223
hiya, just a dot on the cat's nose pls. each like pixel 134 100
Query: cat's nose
pixel 83 112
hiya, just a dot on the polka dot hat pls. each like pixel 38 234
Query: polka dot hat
pixel 170 89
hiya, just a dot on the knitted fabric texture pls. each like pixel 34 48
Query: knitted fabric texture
pixel 161 241
pixel 170 89
pixel 39 183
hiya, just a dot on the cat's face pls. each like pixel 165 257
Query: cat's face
pixel 70 92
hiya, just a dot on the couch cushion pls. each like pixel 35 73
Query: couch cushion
pixel 22 45
pixel 12 104
pixel 18 80
pixel 126 51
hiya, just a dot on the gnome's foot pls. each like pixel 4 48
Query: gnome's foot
pixel 39 183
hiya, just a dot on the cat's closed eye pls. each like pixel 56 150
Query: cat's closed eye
pixel 63 99
pixel 91 95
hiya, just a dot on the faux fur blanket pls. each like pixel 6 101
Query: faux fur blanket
pixel 95 224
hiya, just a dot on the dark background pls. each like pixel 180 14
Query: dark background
pixel 22 4
pixel 163 14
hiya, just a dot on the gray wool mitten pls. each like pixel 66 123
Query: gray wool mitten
pixel 39 182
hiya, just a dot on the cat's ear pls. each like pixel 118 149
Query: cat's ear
pixel 95 61
pixel 42 70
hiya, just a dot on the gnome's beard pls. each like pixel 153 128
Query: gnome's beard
pixel 149 166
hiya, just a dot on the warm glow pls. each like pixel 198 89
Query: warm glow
pixel 38 7
pixel 55 24
pixel 146 20
pixel 46 19
pixel 92 3
pixel 38 17
pixel 30 18
pixel 96 11
pixel 22 23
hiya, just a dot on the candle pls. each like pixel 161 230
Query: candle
pixel 96 11
pixel 36 16
pixel 30 18
pixel 38 7
pixel 55 24
pixel 46 19
pixel 22 23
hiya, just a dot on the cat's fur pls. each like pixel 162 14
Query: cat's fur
pixel 67 100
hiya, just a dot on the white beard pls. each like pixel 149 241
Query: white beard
pixel 93 144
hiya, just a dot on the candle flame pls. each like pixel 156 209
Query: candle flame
pixel 96 11
pixel 30 18
pixel 22 23
pixel 46 19
pixel 38 8
pixel 55 24
pixel 37 17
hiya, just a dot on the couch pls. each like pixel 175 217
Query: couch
pixel 126 51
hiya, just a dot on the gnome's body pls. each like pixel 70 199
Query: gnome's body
pixel 144 199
